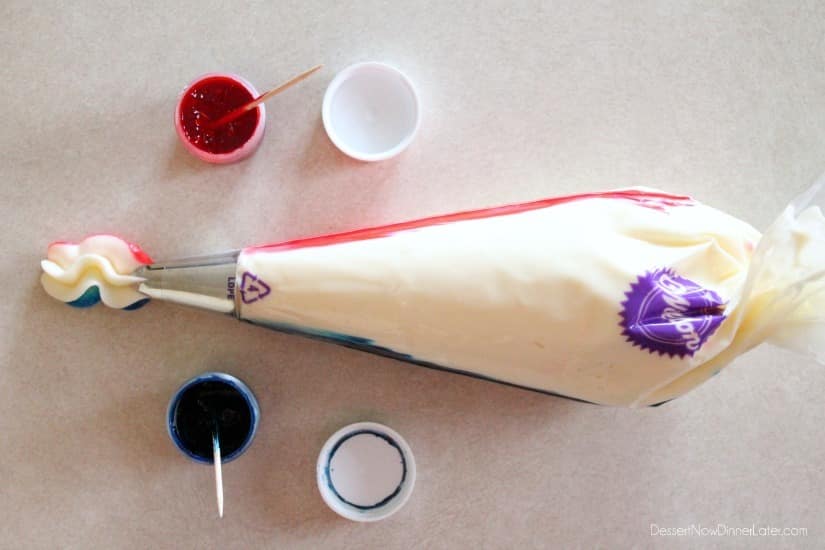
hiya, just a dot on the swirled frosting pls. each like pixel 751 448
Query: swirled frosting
pixel 99 268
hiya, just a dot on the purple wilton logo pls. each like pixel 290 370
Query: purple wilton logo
pixel 253 288
pixel 669 314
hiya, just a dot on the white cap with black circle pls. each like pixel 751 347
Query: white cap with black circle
pixel 366 472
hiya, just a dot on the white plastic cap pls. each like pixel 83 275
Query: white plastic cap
pixel 371 111
pixel 366 472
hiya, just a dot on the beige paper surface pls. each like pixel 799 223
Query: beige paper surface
pixel 521 101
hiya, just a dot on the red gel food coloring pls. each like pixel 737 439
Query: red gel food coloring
pixel 208 100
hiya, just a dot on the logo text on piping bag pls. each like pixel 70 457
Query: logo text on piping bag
pixel 670 314
pixel 253 288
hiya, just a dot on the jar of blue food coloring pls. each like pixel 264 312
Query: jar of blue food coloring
pixel 207 403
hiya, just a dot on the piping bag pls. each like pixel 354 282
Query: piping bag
pixel 629 297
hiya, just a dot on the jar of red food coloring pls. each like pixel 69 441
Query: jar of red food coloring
pixel 205 100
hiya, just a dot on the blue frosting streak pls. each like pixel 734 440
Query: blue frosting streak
pixel 137 305
pixel 92 297
pixel 369 345
pixel 88 299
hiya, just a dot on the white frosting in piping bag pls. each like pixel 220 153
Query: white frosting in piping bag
pixel 603 299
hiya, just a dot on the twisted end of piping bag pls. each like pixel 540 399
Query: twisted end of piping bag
pixel 783 299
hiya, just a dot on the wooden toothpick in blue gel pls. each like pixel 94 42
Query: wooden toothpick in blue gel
pixel 216 456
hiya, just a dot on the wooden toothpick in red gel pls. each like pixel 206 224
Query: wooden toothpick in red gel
pixel 235 113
